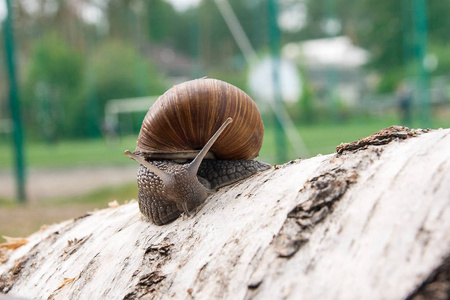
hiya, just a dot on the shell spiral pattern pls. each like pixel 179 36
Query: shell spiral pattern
pixel 187 115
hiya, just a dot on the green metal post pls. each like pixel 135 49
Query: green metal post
pixel 274 37
pixel 423 84
pixel 14 104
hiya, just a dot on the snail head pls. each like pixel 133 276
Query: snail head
pixel 181 184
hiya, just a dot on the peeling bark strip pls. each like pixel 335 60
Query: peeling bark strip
pixel 324 191
pixel 382 137
pixel 145 286
pixel 7 280
pixel 371 222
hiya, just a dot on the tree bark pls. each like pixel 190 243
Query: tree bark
pixel 371 221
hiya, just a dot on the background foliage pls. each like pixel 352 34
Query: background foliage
pixel 71 64
pixel 75 56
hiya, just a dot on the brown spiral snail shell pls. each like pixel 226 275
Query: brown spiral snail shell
pixel 187 147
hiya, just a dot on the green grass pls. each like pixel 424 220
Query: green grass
pixel 20 220
pixel 100 197
pixel 23 219
pixel 94 152
pixel 323 138
pixel 320 138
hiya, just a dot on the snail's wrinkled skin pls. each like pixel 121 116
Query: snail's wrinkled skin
pixel 156 203
pixel 188 117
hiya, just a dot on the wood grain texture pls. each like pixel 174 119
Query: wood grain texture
pixel 369 223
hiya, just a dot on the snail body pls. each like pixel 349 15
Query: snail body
pixel 187 147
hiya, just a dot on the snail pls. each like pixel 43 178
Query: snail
pixel 198 136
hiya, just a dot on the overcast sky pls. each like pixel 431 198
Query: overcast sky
pixel 2 10
pixel 178 4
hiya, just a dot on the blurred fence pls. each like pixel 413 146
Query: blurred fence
pixel 73 57
pixel 118 109
pixel 90 69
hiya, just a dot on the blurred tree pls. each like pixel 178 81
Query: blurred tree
pixel 119 16
pixel 3 79
pixel 218 47
pixel 160 20
pixel 307 110
pixel 121 72
pixel 383 27
pixel 36 18
pixel 53 88
pixel 440 52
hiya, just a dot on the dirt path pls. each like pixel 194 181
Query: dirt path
pixel 50 183
pixel 44 184
pixel 24 220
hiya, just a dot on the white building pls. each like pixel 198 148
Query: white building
pixel 331 64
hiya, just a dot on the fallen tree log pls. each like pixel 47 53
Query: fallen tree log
pixel 369 222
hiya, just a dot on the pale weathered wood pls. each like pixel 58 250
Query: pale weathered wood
pixel 372 222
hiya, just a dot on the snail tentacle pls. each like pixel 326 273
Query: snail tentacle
pixel 185 152
pixel 166 178
pixel 195 164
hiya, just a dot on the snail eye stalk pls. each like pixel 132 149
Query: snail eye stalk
pixel 195 164
pixel 166 178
